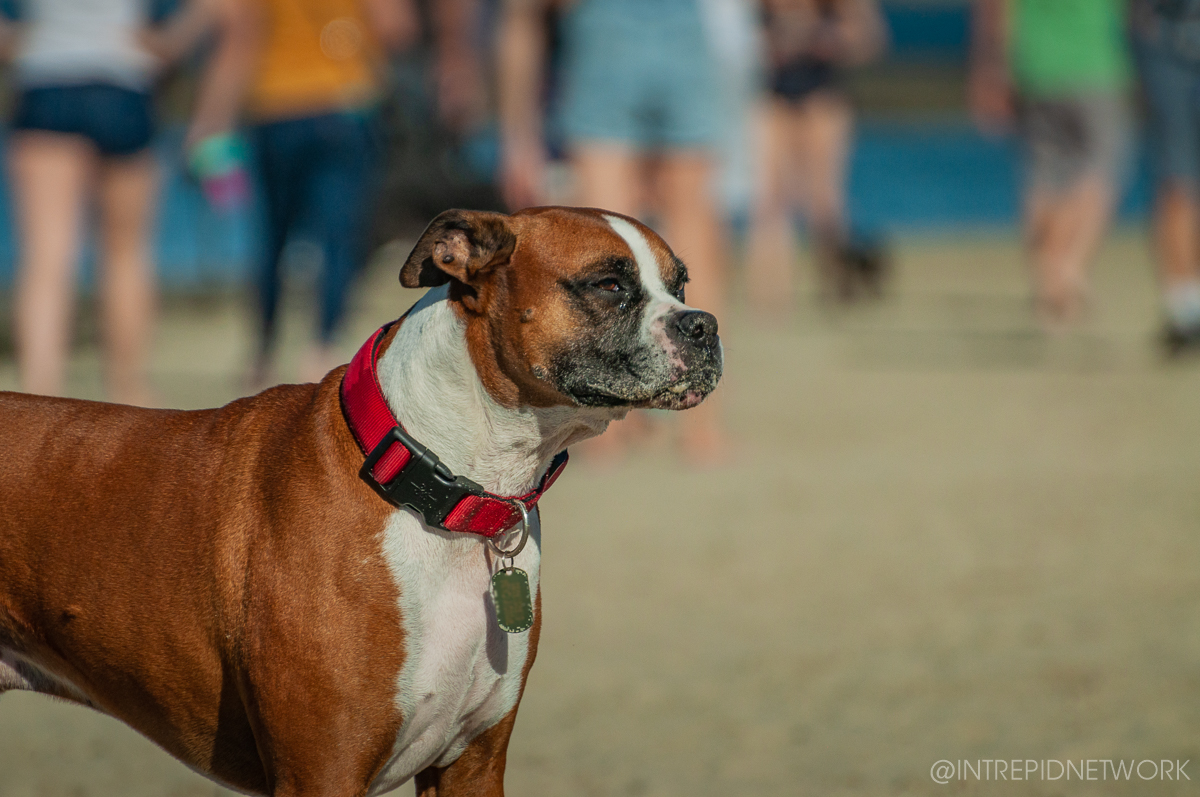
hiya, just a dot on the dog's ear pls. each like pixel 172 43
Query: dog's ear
pixel 464 245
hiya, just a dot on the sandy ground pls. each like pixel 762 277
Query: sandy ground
pixel 944 536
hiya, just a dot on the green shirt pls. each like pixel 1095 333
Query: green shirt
pixel 1059 47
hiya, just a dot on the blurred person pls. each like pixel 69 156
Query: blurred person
pixel 1167 39
pixel 735 38
pixel 311 102
pixel 82 128
pixel 806 135
pixel 641 118
pixel 1062 70
pixel 458 66
pixel 308 74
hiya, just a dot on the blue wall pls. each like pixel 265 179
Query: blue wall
pixel 928 31
pixel 928 177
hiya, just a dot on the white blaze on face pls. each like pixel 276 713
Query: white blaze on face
pixel 659 302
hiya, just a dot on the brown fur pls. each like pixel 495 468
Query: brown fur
pixel 168 562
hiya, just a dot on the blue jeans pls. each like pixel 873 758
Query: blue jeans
pixel 315 169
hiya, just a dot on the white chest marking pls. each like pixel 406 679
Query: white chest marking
pixel 462 673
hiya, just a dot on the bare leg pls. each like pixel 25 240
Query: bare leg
pixel 127 194
pixel 50 178
pixel 771 251
pixel 607 176
pixel 1065 229
pixel 694 228
pixel 1177 233
pixel 820 131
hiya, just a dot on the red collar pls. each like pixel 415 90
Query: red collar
pixel 407 473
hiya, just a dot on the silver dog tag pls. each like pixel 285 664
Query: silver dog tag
pixel 512 599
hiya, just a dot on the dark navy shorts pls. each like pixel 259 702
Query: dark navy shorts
pixel 796 79
pixel 119 121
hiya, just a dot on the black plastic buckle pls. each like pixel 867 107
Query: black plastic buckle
pixel 424 483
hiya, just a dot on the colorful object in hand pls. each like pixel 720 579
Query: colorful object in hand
pixel 219 163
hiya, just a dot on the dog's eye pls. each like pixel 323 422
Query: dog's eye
pixel 610 284
pixel 682 280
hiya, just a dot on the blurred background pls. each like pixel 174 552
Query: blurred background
pixel 945 504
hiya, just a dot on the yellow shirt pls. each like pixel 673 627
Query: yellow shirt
pixel 318 56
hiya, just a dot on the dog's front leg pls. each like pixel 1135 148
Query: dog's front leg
pixel 478 772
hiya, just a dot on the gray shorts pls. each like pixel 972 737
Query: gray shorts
pixel 1067 139
pixel 640 73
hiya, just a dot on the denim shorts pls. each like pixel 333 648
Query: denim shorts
pixel 119 121
pixel 639 72
pixel 1172 90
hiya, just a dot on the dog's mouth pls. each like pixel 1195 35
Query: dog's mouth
pixel 681 397
pixel 642 382
pixel 682 394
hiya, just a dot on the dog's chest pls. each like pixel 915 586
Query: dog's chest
pixel 461 673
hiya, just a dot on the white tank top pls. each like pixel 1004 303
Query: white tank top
pixel 70 42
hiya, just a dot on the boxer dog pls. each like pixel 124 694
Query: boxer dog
pixel 295 594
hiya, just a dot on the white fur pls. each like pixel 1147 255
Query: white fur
pixel 462 673
pixel 661 303
pixel 649 268
pixel 18 672
pixel 10 678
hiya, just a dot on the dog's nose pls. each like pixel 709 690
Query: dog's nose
pixel 697 326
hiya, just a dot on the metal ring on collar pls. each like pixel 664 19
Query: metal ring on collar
pixel 491 541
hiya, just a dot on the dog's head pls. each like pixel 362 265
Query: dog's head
pixel 571 306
